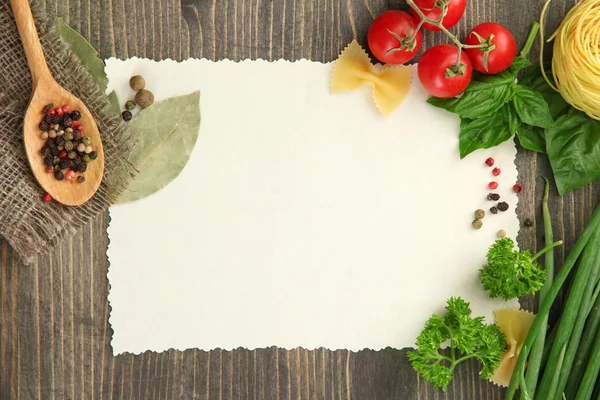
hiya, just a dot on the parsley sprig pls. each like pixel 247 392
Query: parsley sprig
pixel 468 338
pixel 510 273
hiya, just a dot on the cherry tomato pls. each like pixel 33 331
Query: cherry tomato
pixel 431 9
pixel 388 40
pixel 440 75
pixel 503 53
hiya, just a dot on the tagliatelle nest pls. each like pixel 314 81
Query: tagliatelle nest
pixel 515 325
pixel 353 69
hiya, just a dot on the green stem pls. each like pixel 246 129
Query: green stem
pixel 533 32
pixel 551 393
pixel 524 392
pixel 545 249
pixel 560 279
pixel 586 388
pixel 537 351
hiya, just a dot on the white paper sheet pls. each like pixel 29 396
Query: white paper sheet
pixel 302 218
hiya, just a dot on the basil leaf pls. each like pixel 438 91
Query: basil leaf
pixel 518 64
pixel 531 107
pixel 514 122
pixel 573 147
pixel 485 132
pixel 532 138
pixel 535 80
pixel 485 95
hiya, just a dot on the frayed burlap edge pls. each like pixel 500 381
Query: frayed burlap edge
pixel 29 225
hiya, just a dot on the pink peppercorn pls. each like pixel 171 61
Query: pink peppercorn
pixel 60 112
pixel 51 112
pixel 70 175
pixel 47 198
pixel 489 162
pixel 79 128
pixel 49 169
pixel 493 185
pixel 496 171
pixel 517 188
pixel 62 155
pixel 66 108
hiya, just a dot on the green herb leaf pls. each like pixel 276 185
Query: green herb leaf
pixel 468 336
pixel 484 132
pixel 532 138
pixel 531 107
pixel 167 132
pixel 485 95
pixel 518 64
pixel 573 147
pixel 84 51
pixel 114 101
pixel 535 80
pixel 510 273
pixel 514 122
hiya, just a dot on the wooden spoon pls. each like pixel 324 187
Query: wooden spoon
pixel 45 91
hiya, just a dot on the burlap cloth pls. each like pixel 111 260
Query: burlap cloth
pixel 30 225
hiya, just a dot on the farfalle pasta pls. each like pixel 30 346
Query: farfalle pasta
pixel 515 325
pixel 353 69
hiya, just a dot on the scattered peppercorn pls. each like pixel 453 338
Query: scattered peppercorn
pixel 501 233
pixel 479 214
pixel 489 162
pixel 59 175
pixel 144 98
pixel 127 115
pixel 47 198
pixel 493 197
pixel 477 224
pixel 494 210
pixel 528 223
pixel 517 188
pixel 130 105
pixel 93 155
pixel 496 171
pixel 137 82
pixel 503 206
pixel 493 185
pixel 81 179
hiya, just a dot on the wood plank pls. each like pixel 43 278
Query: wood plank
pixel 54 328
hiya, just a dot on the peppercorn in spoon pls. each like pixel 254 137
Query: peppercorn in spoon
pixel 47 91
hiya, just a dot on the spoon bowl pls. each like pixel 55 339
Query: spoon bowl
pixel 47 91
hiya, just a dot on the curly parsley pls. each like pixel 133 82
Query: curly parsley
pixel 510 273
pixel 468 338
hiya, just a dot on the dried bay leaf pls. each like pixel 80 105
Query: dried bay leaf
pixel 166 132
pixel 86 53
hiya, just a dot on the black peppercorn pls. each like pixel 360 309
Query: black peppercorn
pixel 56 119
pixel 77 161
pixel 55 151
pixel 494 210
pixel 127 115
pixel 70 164
pixel 493 197
pixel 503 206
pixel 93 155
pixel 51 143
pixel 75 115
pixel 46 151
pixel 48 160
pixel 48 119
pixel 63 164
pixel 82 167
pixel 43 126
pixel 528 223
pixel 80 179
pixel 67 121
pixel 59 175
pixel 60 141
pixel 47 108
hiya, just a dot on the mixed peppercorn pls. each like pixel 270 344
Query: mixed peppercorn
pixel 500 206
pixel 144 98
pixel 66 151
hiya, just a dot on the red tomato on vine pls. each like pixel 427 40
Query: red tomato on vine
pixel 433 10
pixel 440 75
pixel 393 38
pixel 499 52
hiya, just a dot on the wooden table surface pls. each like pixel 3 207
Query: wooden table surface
pixel 55 336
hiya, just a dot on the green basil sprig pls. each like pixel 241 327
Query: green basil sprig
pixel 495 107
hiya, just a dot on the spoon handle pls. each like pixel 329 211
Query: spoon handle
pixel 31 41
